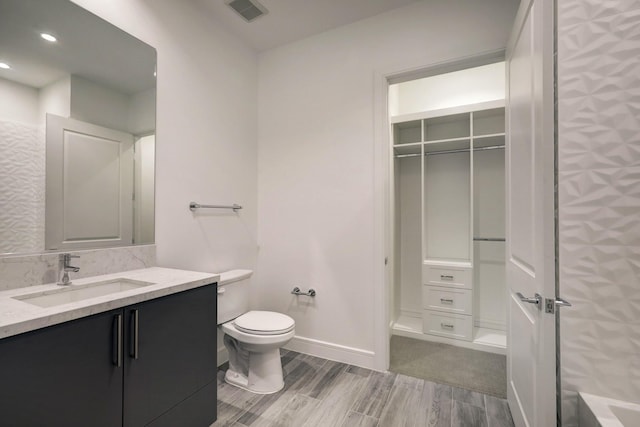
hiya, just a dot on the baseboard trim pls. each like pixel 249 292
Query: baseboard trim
pixel 411 313
pixel 490 324
pixel 445 340
pixel 331 351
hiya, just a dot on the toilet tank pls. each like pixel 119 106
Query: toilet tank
pixel 233 294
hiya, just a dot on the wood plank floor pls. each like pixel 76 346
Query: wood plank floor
pixel 324 393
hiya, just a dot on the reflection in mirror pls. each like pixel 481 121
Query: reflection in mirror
pixel 77 130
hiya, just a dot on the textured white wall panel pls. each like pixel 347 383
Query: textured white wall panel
pixel 599 196
pixel 21 188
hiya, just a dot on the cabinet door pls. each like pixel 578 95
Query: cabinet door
pixel 170 354
pixel 63 375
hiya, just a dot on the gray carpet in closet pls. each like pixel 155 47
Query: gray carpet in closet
pixel 446 364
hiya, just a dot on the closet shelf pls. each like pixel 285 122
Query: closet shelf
pixel 408 150
pixel 447 263
pixel 448 140
pixel 488 140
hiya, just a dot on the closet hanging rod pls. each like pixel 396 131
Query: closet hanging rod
pixel 489 239
pixel 460 150
pixel 193 206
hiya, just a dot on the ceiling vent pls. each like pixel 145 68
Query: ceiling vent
pixel 248 9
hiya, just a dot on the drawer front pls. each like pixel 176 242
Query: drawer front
pixel 448 300
pixel 447 276
pixel 448 325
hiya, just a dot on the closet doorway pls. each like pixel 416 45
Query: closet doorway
pixel 448 310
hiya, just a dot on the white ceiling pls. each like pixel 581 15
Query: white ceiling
pixel 291 20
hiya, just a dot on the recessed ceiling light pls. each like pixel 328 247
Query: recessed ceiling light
pixel 48 37
pixel 4 66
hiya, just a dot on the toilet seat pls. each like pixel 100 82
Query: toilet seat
pixel 264 323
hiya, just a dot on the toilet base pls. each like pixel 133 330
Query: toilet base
pixel 265 373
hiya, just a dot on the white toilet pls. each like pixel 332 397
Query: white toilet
pixel 252 338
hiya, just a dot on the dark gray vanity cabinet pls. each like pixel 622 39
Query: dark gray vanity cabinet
pixel 153 363
pixel 62 375
pixel 171 356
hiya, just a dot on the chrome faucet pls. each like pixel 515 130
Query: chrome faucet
pixel 65 268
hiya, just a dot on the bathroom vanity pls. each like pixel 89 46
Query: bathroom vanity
pixel 134 357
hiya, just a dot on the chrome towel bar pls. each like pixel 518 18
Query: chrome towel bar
pixel 309 293
pixel 193 206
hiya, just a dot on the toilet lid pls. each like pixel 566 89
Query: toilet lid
pixel 264 323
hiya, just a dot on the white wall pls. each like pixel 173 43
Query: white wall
pixel 315 167
pixel 464 87
pixel 111 111
pixel 409 236
pixel 135 114
pixel 55 99
pixel 144 179
pixel 206 132
pixel 18 102
pixel 599 196
pixel 142 112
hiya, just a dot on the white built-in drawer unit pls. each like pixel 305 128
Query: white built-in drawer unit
pixel 448 325
pixel 449 300
pixel 453 277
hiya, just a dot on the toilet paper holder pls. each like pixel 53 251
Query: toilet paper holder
pixel 309 293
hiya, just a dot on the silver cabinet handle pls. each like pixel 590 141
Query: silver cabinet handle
pixel 133 350
pixel 117 340
pixel 446 277
pixel 446 300
pixel 537 299
pixel 446 325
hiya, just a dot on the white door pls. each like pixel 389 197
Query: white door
pixel 530 254
pixel 89 185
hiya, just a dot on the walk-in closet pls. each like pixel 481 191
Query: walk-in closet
pixel 448 204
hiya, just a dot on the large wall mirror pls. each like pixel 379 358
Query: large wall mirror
pixel 77 130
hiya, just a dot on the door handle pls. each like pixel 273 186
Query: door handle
pixel 133 329
pixel 537 299
pixel 550 304
pixel 117 340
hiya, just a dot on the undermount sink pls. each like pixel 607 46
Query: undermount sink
pixel 76 293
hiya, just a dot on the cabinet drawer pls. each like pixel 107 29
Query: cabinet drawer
pixel 448 325
pixel 449 300
pixel 452 277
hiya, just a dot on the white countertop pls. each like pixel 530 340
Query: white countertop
pixel 18 316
